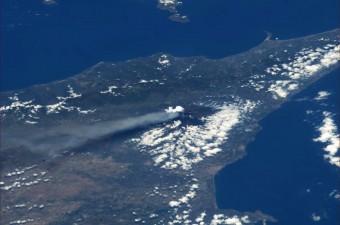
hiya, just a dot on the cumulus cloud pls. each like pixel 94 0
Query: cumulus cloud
pixel 322 95
pixel 174 109
pixel 176 146
pixel 29 110
pixel 329 135
pixel 305 64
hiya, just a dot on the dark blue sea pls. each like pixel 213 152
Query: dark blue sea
pixel 284 167
pixel 42 43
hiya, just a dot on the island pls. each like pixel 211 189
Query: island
pixel 140 141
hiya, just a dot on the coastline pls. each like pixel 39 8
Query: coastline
pixel 88 89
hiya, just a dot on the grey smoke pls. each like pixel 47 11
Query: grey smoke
pixel 58 139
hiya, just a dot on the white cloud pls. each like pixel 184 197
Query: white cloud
pixel 164 60
pixel 110 90
pixel 175 146
pixel 222 219
pixel 23 221
pixel 176 109
pixel 329 135
pixel 281 88
pixel 28 111
pixel 322 95
pixel 316 217
pixel 63 105
pixel 167 2
pixel 305 64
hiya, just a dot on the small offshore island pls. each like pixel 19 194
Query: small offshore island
pixel 140 141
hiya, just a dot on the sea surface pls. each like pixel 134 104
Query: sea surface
pixel 42 43
pixel 284 173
